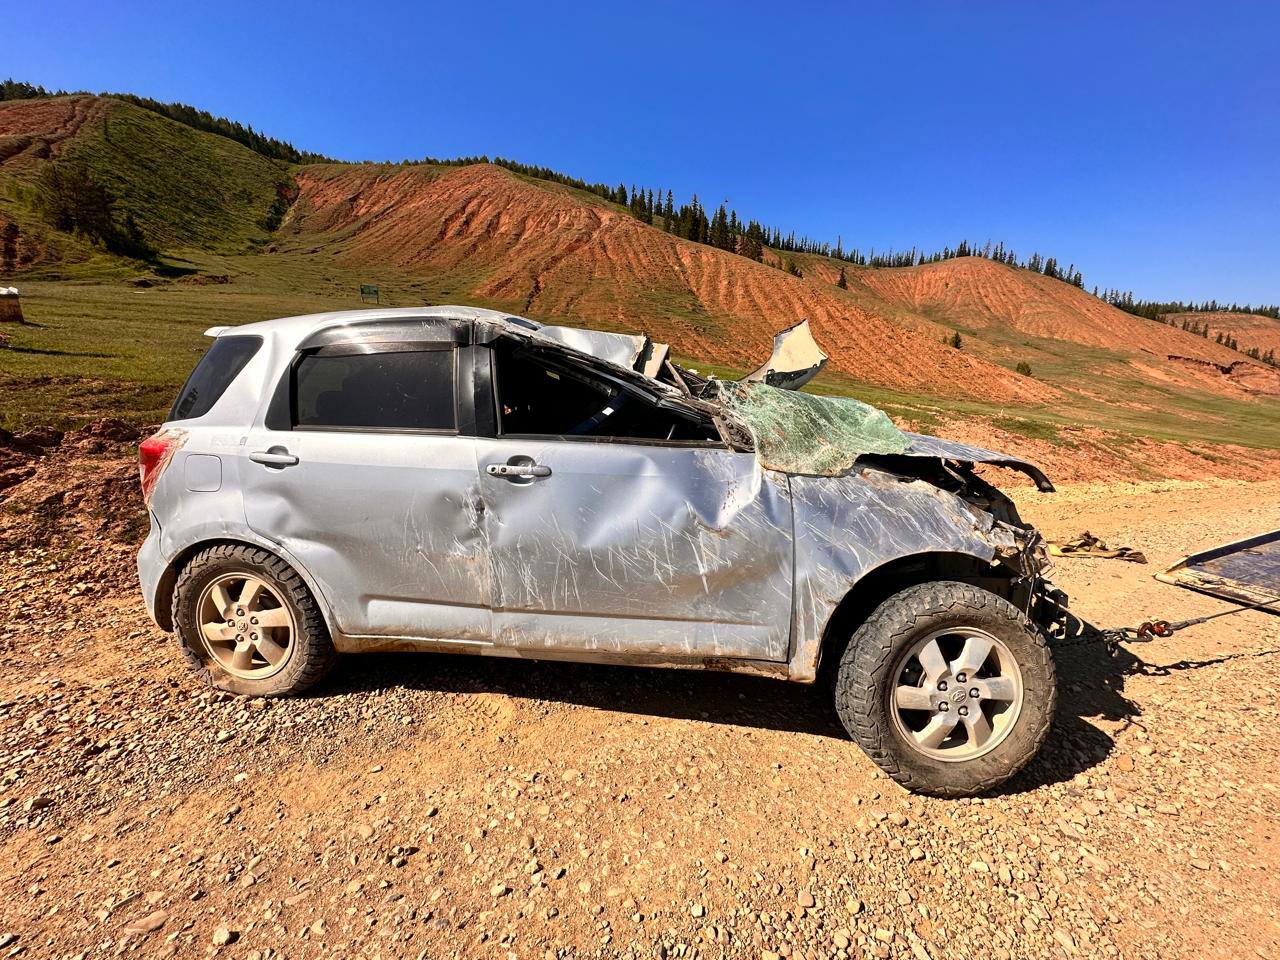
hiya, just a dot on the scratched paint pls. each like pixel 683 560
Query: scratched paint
pixel 640 549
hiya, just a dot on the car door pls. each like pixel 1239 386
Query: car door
pixel 359 470
pixel 616 527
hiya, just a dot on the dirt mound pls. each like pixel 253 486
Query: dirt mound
pixel 1247 377
pixel 80 486
pixel 552 252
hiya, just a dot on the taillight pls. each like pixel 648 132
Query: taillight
pixel 154 455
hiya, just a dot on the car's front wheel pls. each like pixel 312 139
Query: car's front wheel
pixel 248 623
pixel 948 688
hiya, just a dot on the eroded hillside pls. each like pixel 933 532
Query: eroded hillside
pixel 551 253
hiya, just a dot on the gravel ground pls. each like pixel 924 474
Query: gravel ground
pixel 433 806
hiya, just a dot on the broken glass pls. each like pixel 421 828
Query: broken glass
pixel 809 434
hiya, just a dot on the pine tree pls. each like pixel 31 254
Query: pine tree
pixel 719 235
pixel 752 245
pixel 842 281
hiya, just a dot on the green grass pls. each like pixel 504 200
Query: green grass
pixel 103 347
pixel 92 348
pixel 184 188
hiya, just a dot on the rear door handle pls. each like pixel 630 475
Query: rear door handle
pixel 274 457
pixel 517 471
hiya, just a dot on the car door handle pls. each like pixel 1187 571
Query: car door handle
pixel 517 471
pixel 274 457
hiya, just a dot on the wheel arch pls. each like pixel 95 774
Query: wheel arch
pixel 165 585
pixel 881 582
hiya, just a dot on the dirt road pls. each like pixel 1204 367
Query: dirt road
pixel 429 806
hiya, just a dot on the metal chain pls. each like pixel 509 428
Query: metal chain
pixel 1155 629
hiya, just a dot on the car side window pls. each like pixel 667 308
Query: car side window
pixel 215 372
pixel 350 388
pixel 537 397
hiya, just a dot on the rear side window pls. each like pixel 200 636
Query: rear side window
pixel 212 375
pixel 407 390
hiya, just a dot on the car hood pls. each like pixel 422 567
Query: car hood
pixel 920 445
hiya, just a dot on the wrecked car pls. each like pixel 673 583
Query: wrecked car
pixel 457 479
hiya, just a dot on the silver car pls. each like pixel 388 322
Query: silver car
pixel 463 480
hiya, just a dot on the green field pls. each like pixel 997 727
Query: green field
pixel 94 348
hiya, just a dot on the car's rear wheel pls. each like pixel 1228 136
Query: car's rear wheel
pixel 948 688
pixel 248 623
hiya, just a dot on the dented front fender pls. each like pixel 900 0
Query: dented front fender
pixel 847 527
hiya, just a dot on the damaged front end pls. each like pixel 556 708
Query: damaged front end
pixel 866 496
pixel 1020 551
pixel 873 501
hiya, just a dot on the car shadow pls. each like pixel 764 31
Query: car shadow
pixel 1091 688
pixel 1091 682
pixel 707 696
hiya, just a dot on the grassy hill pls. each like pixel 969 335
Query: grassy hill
pixel 184 188
pixel 241 236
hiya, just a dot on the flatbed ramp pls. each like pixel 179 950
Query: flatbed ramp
pixel 1247 570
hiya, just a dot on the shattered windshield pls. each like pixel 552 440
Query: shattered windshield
pixel 808 434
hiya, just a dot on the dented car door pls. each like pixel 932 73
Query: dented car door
pixel 618 545
pixel 621 548
pixel 363 475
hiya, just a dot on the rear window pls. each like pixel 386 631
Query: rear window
pixel 404 390
pixel 212 375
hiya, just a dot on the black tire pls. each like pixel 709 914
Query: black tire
pixel 866 675
pixel 311 654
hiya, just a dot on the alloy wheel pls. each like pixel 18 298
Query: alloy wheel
pixel 245 626
pixel 957 694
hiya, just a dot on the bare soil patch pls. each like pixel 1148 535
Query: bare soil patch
pixel 447 806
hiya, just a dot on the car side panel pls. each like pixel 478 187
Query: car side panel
pixel 389 523
pixel 182 518
pixel 848 526
pixel 639 550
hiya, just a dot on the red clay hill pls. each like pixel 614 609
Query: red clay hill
pixel 556 253
pixel 549 251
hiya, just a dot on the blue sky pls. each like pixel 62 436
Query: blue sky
pixel 1139 141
